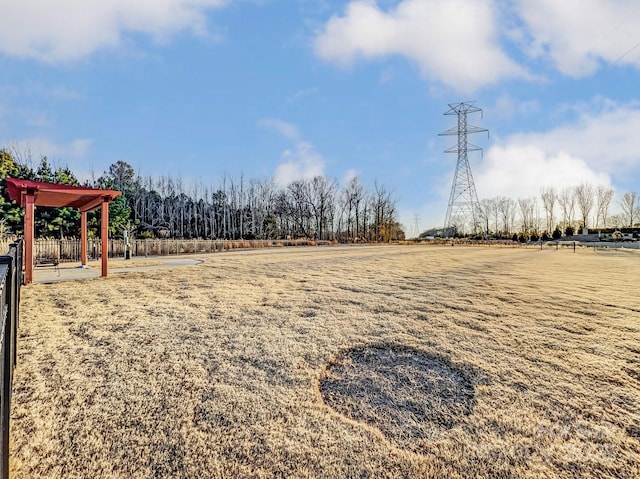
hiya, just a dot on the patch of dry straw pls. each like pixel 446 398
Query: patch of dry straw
pixel 216 370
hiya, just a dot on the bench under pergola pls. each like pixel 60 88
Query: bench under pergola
pixel 30 194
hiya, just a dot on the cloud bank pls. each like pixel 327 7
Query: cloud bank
pixel 303 162
pixel 600 147
pixel 71 29
pixel 454 42
pixel 463 44
pixel 579 36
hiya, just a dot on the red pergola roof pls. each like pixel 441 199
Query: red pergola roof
pixel 38 193
pixel 51 194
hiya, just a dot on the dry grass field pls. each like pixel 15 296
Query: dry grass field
pixel 336 362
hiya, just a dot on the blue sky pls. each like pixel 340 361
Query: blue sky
pixel 293 88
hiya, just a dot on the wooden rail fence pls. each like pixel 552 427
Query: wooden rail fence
pixel 68 250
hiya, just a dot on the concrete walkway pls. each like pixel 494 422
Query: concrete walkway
pixel 49 274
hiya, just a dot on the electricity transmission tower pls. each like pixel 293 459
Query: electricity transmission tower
pixel 464 208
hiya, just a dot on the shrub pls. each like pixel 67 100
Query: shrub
pixel 557 234
pixel 534 237
pixel 569 231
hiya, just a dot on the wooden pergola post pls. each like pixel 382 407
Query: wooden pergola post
pixel 83 238
pixel 104 234
pixel 29 233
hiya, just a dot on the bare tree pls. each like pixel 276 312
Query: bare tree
pixel 493 213
pixel 567 201
pixel 527 210
pixel 298 194
pixel 549 196
pixel 604 194
pixel 321 193
pixel 353 195
pixel 485 214
pixel 617 221
pixel 507 209
pixel 630 204
pixel 383 211
pixel 585 198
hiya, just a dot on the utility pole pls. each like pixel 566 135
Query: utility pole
pixel 464 208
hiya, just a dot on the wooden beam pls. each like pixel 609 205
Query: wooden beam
pixel 93 204
pixel 104 235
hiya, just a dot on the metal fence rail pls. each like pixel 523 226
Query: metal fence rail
pixel 10 282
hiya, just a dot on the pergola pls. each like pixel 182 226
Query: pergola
pixel 30 194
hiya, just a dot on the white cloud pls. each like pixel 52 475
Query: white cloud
pixel 74 154
pixel 286 129
pixel 349 175
pixel 454 42
pixel 38 147
pixel 507 107
pixel 518 170
pixel 79 148
pixel 71 29
pixel 604 136
pixel 600 147
pixel 578 35
pixel 303 162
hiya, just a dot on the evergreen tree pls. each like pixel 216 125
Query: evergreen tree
pixel 11 214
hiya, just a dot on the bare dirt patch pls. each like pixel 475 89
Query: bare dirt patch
pixel 408 394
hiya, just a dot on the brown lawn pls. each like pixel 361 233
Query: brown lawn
pixel 336 362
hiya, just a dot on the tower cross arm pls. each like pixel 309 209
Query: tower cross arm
pixel 464 107
pixel 475 129
pixel 470 147
pixel 450 132
pixel 455 131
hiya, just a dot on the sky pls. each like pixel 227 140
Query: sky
pixel 289 89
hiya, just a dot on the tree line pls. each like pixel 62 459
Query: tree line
pixel 562 211
pixel 236 208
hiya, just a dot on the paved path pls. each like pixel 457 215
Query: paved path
pixel 49 274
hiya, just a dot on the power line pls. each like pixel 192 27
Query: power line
pixel 626 53
pixel 627 18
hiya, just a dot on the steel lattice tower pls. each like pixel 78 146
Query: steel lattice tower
pixel 464 207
